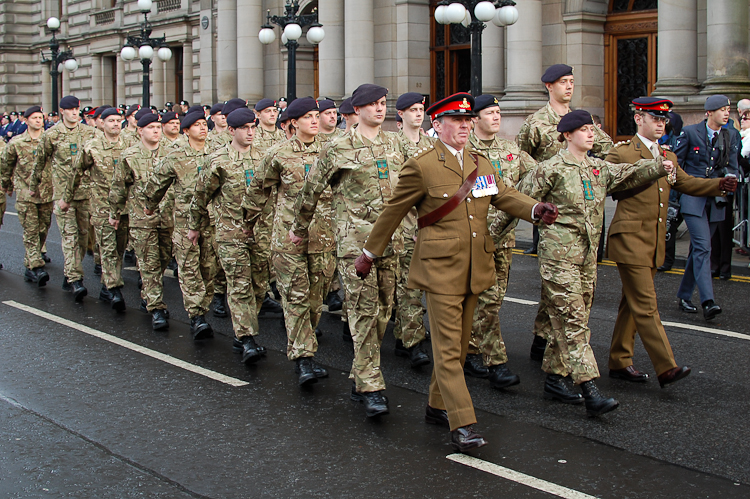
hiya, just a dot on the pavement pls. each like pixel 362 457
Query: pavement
pixel 95 404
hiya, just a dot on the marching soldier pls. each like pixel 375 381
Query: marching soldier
pixel 268 133
pixel 130 134
pixel 347 111
pixel 170 126
pixel 34 212
pixel 62 143
pixel 328 118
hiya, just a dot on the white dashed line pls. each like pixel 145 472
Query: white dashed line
pixel 11 213
pixel 129 345
pixel 521 301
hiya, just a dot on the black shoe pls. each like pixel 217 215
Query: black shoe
pixel 320 371
pixel 502 377
pixel 318 332
pixel 238 347
pixel 715 274
pixel 725 277
pixel 79 290
pixel 687 306
pixel 596 403
pixel 218 305
pixel 144 306
pixel 629 373
pixel 172 265
pixel 41 276
pixel 465 438
pixel 437 417
pixel 200 329
pixel 346 334
pixel 538 346
pixel 530 251
pixel 140 282
pixel 159 320
pixel 275 291
pixel 710 309
pixel 105 295
pixel 45 258
pixel 29 275
pixel 664 268
pixel 97 269
pixel 304 368
pixel 66 285
pixel 375 403
pixel 118 301
pixel 474 366
pixel 270 306
pixel 416 355
pixel 251 352
pixel 674 374
pixel 556 388
pixel 334 301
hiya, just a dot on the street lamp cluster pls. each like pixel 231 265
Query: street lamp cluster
pixel 57 57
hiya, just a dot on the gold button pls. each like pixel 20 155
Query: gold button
pixel 471 217
pixel 468 200
pixel 661 189
pixel 659 219
pixel 473 234
pixel 661 205
pixel 445 194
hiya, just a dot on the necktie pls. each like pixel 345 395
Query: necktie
pixel 655 150
pixel 460 158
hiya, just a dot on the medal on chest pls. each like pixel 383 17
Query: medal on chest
pixel 484 186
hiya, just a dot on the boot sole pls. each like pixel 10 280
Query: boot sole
pixel 369 413
pixel 465 447
pixel 608 408
pixel 43 281
pixel 623 377
pixel 550 396
pixel 310 379
pixel 203 334
pixel 79 296
pixel 160 327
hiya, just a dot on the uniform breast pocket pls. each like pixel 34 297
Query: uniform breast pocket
pixel 439 194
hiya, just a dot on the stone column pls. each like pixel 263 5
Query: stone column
pixel 678 32
pixel 584 33
pixel 46 102
pixel 359 48
pixel 412 44
pixel 524 54
pixel 226 50
pixel 207 61
pixel 96 80
pixel 187 71
pixel 331 80
pixel 157 82
pixel 121 97
pixel 249 50
pixel 727 61
pixel 493 60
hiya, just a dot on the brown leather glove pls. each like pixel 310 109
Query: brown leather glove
pixel 546 212
pixel 363 264
pixel 728 184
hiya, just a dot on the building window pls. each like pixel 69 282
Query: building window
pixel 450 58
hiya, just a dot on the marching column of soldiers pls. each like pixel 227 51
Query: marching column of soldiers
pixel 298 208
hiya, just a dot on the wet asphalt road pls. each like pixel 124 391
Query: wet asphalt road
pixel 83 417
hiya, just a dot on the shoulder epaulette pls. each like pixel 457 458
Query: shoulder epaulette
pixel 622 142
pixel 423 150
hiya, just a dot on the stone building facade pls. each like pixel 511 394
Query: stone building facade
pixel 680 49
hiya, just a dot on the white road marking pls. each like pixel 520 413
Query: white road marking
pixel 11 213
pixel 708 330
pixel 129 345
pixel 515 476
pixel 521 301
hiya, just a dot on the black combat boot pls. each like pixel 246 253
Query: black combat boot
pixel 97 269
pixel 200 329
pixel 596 403
pixel 334 301
pixel 304 367
pixel 66 285
pixel 218 305
pixel 45 257
pixel 346 334
pixel 79 290
pixel 501 377
pixel 473 366
pixel 556 388
pixel 105 295
pixel 270 306
pixel 251 352
pixel 375 403
pixel 118 301
pixel 159 320
pixel 415 354
pixel 41 276
pixel 537 349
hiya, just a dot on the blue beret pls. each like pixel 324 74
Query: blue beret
pixel 399 119
pixel 556 72
pixel 264 103
pixel 574 120
pixel 32 110
pixel 484 101
pixel 233 104
pixel 300 107
pixel 69 102
pixel 368 93
pixel 143 112
pixel 346 107
pixel 191 118
pixel 196 109
pixel 110 111
pixel 132 109
pixel 240 117
pixel 326 104
pixel 216 108
pixel 169 116
pixel 99 110
pixel 147 119
pixel 407 100
pixel 716 102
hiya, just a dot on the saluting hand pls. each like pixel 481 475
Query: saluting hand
pixel 546 212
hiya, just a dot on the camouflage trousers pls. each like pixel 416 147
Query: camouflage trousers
pixel 35 219
pixel 568 290
pixel 93 244
pixel 302 281
pixel 260 259
pixel 368 310
pixel 111 244
pixel 74 232
pixel 3 203
pixel 409 326
pixel 220 281
pixel 234 258
pixel 486 338
pixel 197 266
pixel 153 248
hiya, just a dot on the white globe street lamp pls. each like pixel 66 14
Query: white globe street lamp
pixel 145 5
pixel 266 36
pixel 315 35
pixel 146 52
pixel 164 53
pixel 53 23
pixel 128 53
pixel 71 65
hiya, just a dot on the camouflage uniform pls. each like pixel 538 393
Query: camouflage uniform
pixel 538 137
pixel 567 249
pixel 129 137
pixel 62 145
pixel 150 235
pixel 222 186
pixel 511 165
pixel 34 212
pixel 362 174
pixel 303 272
pixel 409 327
pixel 215 141
pixel 98 159
pixel 197 264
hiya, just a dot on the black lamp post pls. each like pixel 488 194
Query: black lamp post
pixel 57 57
pixel 145 51
pixel 473 14
pixel 292 25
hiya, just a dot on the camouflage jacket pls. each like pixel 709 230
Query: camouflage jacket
pixel 579 190
pixel 98 159
pixel 18 162
pixel 511 165
pixel 324 138
pixel 284 170
pixel 264 140
pixel 223 184
pixel 216 140
pixel 410 149
pixel 538 136
pixel 362 174
pixel 62 145
pixel 132 173
pixel 130 137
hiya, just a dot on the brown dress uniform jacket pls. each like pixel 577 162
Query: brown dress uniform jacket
pixel 638 229
pixel 454 255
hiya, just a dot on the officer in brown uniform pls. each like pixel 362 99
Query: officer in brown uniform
pixel 452 187
pixel 636 243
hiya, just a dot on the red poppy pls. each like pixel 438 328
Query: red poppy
pixel 595 171
pixel 509 157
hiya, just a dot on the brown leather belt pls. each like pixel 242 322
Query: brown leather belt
pixel 450 205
